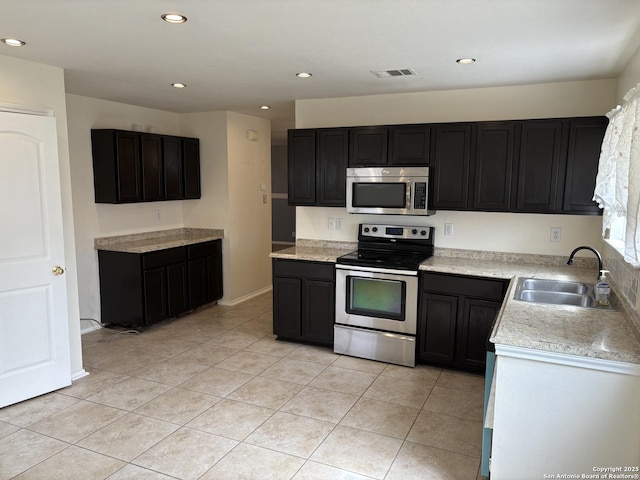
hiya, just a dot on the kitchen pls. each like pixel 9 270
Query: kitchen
pixel 77 114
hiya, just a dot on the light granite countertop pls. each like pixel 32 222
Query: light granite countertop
pixel 607 334
pixel 157 240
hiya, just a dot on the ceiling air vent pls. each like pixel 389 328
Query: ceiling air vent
pixel 403 72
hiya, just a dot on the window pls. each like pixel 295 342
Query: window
pixel 618 182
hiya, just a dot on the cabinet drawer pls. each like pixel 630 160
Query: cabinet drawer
pixel 164 257
pixel 204 249
pixel 303 269
pixel 461 285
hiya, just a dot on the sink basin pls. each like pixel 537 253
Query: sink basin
pixel 555 292
pixel 554 286
pixel 557 298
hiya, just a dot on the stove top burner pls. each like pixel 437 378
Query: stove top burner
pixel 389 259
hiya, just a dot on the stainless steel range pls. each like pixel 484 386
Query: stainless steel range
pixel 377 293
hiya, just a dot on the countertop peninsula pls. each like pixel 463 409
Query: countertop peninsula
pixel 605 334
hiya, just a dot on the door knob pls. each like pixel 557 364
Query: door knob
pixel 57 270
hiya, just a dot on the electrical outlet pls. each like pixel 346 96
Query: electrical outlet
pixel 338 223
pixel 556 235
pixel 331 223
pixel 448 229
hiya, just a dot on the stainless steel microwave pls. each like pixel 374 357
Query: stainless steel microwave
pixel 388 190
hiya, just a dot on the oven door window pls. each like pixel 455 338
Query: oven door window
pixel 379 194
pixel 374 297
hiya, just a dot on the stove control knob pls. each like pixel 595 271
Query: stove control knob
pixel 374 229
pixel 366 229
pixel 423 232
pixel 414 232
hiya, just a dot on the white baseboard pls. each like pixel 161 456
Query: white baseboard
pixel 238 301
pixel 79 374
pixel 92 326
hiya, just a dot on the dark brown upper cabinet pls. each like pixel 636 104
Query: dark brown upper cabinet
pixel 173 176
pixel 152 168
pixel 409 145
pixel 331 163
pixel 368 146
pixel 493 166
pixel 142 167
pixel 117 172
pixel 583 157
pixel 317 163
pixel 541 166
pixel 301 167
pixel 451 160
pixel 191 167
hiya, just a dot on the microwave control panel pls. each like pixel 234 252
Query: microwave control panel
pixel 420 196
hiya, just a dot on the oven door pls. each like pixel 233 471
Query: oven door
pixel 377 298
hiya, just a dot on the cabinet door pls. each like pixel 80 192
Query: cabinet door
pixel 452 154
pixel 301 152
pixel 437 330
pixel 540 166
pixel 368 147
pixel 177 298
pixel 128 166
pixel 585 143
pixel 155 295
pixel 198 284
pixel 493 162
pixel 331 166
pixel 152 169
pixel 191 164
pixel 287 301
pixel 214 278
pixel 409 145
pixel 173 173
pixel 475 326
pixel 319 311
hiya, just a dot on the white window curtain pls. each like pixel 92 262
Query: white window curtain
pixel 618 182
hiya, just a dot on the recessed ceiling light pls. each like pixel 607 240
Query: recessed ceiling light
pixel 179 85
pixel 303 75
pixel 265 107
pixel 174 18
pixel 12 42
pixel 466 61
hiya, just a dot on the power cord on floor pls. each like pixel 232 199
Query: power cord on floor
pixel 102 325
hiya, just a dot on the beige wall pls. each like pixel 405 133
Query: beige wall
pixel 101 220
pixel 250 216
pixel 220 190
pixel 629 77
pixel 503 232
pixel 234 169
pixel 34 84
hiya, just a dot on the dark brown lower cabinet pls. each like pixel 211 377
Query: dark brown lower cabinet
pixel 139 290
pixel 205 273
pixel 303 301
pixel 456 316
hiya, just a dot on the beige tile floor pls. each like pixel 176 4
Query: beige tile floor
pixel 213 395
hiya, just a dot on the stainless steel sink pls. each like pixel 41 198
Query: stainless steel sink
pixel 557 298
pixel 554 286
pixel 556 292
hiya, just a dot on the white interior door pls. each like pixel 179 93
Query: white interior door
pixel 34 328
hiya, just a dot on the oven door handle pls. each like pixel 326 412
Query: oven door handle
pixel 407 273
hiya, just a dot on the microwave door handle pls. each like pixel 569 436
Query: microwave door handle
pixel 408 201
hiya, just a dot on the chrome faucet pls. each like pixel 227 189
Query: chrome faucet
pixel 584 247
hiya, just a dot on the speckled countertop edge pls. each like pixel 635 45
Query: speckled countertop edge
pixel 316 250
pixel 157 240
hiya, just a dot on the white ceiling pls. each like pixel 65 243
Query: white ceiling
pixel 240 54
